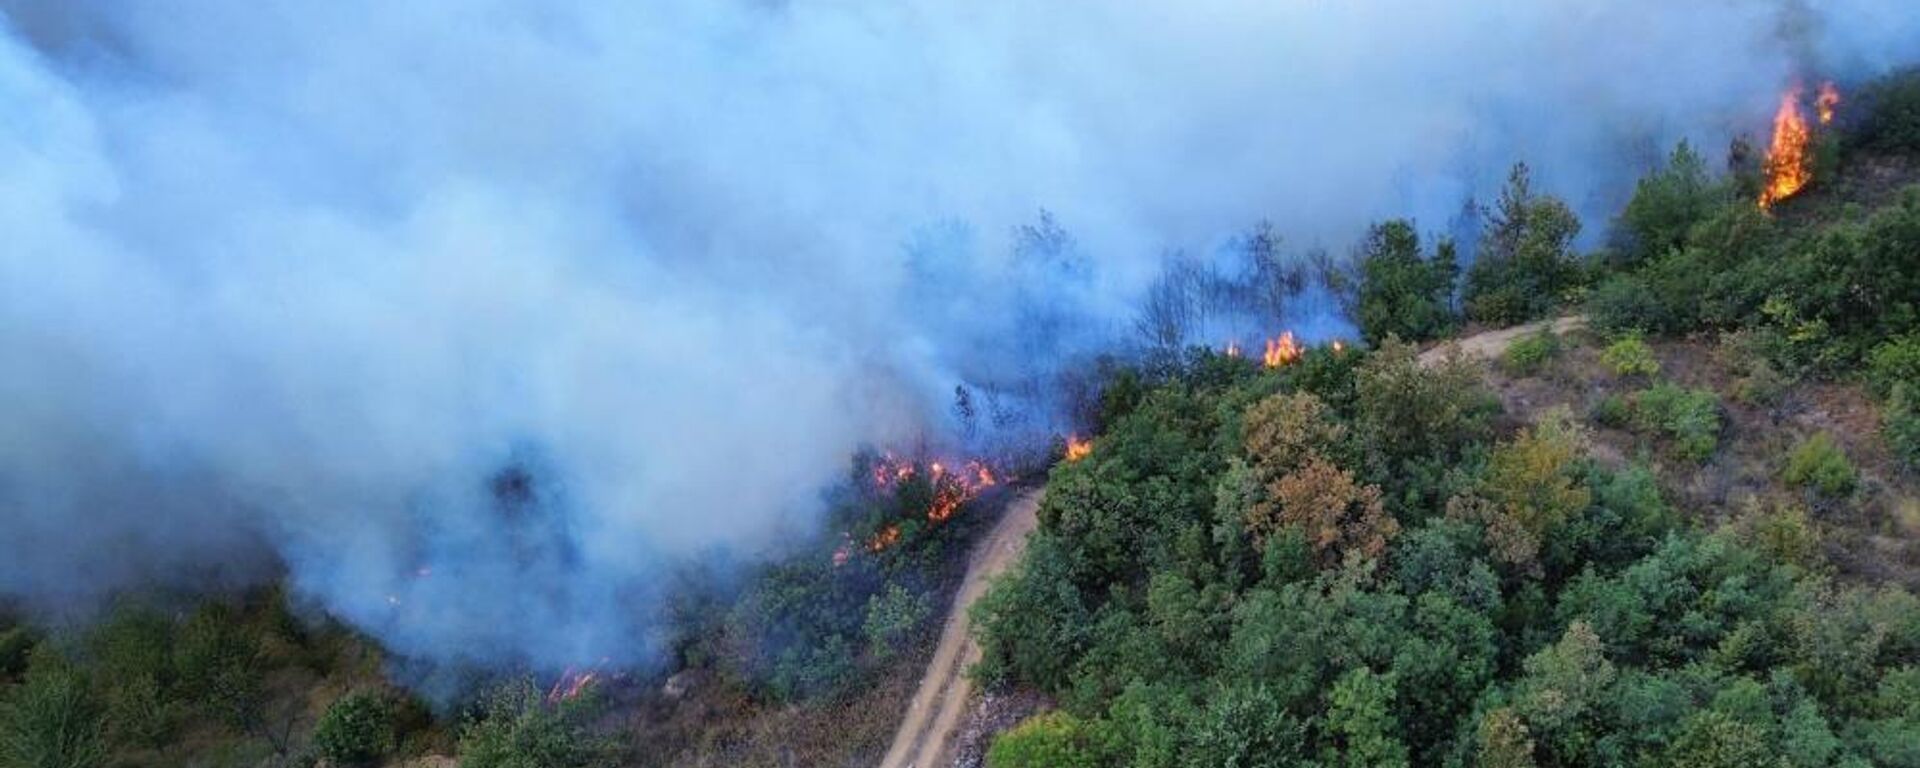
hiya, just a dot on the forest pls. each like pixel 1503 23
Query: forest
pixel 1678 534
pixel 1685 531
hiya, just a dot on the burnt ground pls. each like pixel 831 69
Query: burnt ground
pixel 1872 536
pixel 711 723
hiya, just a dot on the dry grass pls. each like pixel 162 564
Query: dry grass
pixel 1872 535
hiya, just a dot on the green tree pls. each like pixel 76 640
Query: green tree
pixel 1402 292
pixel 1666 206
pixel 51 719
pixel 1503 740
pixel 220 666
pixel 356 729
pixel 516 728
pixel 1361 723
pixel 1565 694
pixel 1526 264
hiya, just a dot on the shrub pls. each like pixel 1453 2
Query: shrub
pixel 356 729
pixel 1819 464
pixel 1893 362
pixel 1630 356
pixel 516 728
pixel 1892 119
pixel 1758 381
pixel 16 645
pixel 892 616
pixel 51 719
pixel 1050 740
pixel 1623 304
pixel 1530 354
pixel 1689 418
pixel 1614 410
pixel 1901 424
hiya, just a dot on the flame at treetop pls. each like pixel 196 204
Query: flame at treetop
pixel 1828 100
pixel 1282 351
pixel 1078 448
pixel 1789 164
pixel 887 537
pixel 1233 349
pixel 951 489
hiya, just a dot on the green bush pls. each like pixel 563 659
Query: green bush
pixel 356 729
pixel 1894 362
pixel 51 720
pixel 1630 356
pixel 1051 740
pixel 515 727
pixel 893 615
pixel 1819 464
pixel 1688 418
pixel 1530 354
pixel 1892 104
pixel 16 645
pixel 1625 304
pixel 1615 410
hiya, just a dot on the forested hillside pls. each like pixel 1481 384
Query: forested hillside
pixel 1683 537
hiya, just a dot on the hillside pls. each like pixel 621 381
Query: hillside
pixel 1680 529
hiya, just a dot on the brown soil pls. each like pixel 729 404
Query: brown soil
pixel 925 737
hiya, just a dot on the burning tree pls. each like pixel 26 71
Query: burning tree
pixel 1789 164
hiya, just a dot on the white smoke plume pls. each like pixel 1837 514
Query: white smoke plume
pixel 473 316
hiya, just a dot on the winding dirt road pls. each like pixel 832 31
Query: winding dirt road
pixel 925 737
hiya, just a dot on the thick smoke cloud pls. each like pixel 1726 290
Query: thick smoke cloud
pixel 472 317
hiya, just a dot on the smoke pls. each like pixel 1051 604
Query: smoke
pixel 473 318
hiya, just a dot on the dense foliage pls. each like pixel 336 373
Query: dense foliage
pixel 1346 563
pixel 1401 291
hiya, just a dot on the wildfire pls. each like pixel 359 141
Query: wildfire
pixel 1789 166
pixel 1233 349
pixel 1828 100
pixel 1338 347
pixel 952 487
pixel 571 684
pixel 1282 351
pixel 887 537
pixel 1078 448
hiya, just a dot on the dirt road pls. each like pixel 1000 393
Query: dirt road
pixel 1492 343
pixel 924 738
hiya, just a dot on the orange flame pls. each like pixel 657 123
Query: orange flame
pixel 571 685
pixel 1281 351
pixel 952 489
pixel 1078 448
pixel 887 537
pixel 1233 349
pixel 1787 167
pixel 1338 347
pixel 1828 100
